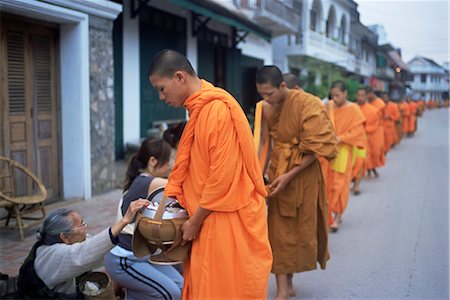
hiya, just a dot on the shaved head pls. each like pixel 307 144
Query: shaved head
pixel 271 75
pixel 167 62
pixel 291 80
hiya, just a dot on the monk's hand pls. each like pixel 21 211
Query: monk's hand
pixel 278 185
pixel 338 140
pixel 133 208
pixel 190 230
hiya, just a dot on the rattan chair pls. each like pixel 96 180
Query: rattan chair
pixel 21 194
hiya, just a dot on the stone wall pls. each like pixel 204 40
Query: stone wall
pixel 101 104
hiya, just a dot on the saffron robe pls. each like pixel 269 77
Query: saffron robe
pixel 217 168
pixel 379 158
pixel 349 126
pixel 375 136
pixel 298 216
pixel 412 117
pixel 391 115
pixel 406 116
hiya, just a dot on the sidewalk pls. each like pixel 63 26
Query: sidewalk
pixel 99 213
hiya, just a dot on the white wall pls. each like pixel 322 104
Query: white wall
pixel 258 48
pixel 131 80
pixel 75 109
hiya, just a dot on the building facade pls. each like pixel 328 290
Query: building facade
pixel 331 44
pixel 429 79
pixel 57 101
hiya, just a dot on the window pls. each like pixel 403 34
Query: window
pixel 423 78
pixel 342 30
pixel 313 20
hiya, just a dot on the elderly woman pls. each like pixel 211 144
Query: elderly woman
pixel 62 253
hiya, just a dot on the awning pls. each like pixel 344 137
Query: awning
pixel 221 14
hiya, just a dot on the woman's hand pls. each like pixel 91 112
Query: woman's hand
pixel 133 208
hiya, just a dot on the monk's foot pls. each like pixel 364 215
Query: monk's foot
pixel 356 192
pixel 334 228
pixel 280 296
pixel 376 173
pixel 291 292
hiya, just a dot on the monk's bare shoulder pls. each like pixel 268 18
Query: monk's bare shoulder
pixel 268 110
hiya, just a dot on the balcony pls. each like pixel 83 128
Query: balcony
pixel 386 73
pixel 276 15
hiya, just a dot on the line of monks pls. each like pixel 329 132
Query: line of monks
pixel 367 131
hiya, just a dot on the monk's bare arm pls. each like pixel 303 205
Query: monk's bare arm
pixel 265 136
pixel 281 182
pixel 191 228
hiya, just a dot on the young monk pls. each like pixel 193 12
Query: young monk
pixel 412 116
pixel 299 130
pixel 391 115
pixel 217 178
pixel 293 82
pixel 372 129
pixel 406 117
pixel 379 158
pixel 349 126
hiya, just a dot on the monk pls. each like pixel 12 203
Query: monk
pixel 299 130
pixel 406 117
pixel 293 82
pixel 412 125
pixel 372 127
pixel 217 178
pixel 349 126
pixel 378 159
pixel 399 122
pixel 391 115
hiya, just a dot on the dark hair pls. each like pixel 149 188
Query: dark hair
pixel 157 148
pixel 291 80
pixel 167 62
pixel 340 85
pixel 172 135
pixel 369 89
pixel 269 74
pixel 56 222
pixel 362 88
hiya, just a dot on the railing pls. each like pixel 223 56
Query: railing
pixel 281 10
pixel 276 11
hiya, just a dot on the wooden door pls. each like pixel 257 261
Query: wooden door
pixel 28 99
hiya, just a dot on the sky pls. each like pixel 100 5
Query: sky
pixel 418 27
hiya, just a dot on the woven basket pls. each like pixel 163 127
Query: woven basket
pixel 106 291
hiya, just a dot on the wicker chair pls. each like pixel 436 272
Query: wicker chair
pixel 20 205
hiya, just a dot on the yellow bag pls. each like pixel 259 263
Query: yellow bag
pixel 339 164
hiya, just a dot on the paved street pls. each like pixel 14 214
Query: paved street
pixel 393 242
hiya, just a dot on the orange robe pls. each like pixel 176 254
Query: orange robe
pixel 379 159
pixel 349 126
pixel 373 131
pixel 412 117
pixel 406 115
pixel 298 216
pixel 217 168
pixel 391 116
